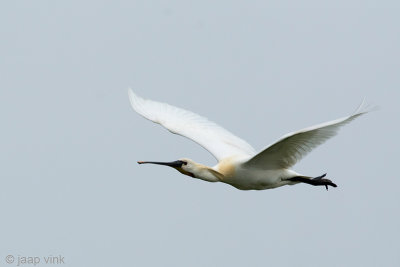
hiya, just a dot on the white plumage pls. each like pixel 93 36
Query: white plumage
pixel 208 134
pixel 238 162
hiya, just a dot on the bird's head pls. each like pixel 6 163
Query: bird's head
pixel 191 168
pixel 185 166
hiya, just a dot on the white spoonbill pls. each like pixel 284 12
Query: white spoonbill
pixel 238 163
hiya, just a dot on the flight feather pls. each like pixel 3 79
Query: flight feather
pixel 215 139
pixel 292 147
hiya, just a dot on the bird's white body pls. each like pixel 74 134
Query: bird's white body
pixel 237 174
pixel 238 163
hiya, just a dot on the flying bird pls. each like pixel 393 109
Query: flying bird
pixel 238 163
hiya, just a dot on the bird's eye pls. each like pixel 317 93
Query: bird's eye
pixel 184 162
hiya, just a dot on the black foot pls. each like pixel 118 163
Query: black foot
pixel 315 181
pixel 319 181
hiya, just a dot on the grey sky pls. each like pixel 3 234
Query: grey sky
pixel 70 184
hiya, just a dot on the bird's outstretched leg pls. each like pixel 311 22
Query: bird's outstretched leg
pixel 313 181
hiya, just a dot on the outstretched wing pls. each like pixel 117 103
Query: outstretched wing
pixel 209 135
pixel 292 147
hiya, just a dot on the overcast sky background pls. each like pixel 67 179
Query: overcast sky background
pixel 69 182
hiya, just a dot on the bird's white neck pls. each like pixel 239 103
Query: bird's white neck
pixel 202 172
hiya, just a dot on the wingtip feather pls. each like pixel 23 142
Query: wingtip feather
pixel 131 95
pixel 362 108
pixel 135 100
